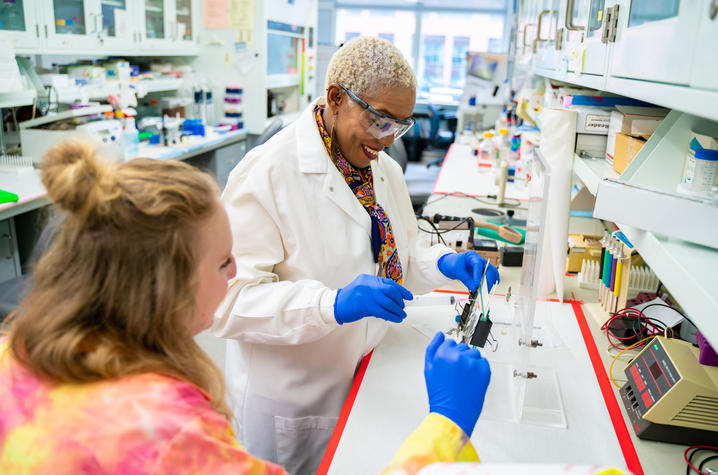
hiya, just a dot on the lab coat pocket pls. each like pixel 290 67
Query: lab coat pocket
pixel 301 442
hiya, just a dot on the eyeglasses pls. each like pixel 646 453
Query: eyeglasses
pixel 377 123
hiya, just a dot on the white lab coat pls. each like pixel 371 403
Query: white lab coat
pixel 300 234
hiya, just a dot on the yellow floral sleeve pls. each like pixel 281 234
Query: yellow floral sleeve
pixel 437 439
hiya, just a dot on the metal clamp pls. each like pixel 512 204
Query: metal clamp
pixel 531 344
pixel 526 375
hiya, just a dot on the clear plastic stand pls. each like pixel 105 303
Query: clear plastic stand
pixel 536 393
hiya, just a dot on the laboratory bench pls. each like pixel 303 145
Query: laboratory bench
pixel 388 399
pixel 21 221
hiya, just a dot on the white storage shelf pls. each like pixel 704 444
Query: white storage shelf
pixel 592 170
pixel 143 87
pixel 683 98
pixel 16 99
pixel 662 225
pixel 687 270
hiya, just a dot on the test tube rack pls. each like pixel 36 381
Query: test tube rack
pixel 641 279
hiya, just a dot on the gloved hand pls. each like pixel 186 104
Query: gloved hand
pixel 468 267
pixel 371 296
pixel 457 377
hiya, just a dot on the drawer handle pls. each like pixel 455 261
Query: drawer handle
pixel 713 10
pixel 10 245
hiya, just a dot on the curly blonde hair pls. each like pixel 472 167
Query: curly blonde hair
pixel 367 64
pixel 114 294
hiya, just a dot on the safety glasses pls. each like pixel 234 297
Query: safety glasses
pixel 379 125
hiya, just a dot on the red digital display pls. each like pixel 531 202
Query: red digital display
pixel 637 378
pixel 647 399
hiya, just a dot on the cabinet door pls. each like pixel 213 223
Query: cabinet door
pixel 595 52
pixel 655 40
pixel 705 60
pixel 116 24
pixel 72 24
pixel 154 25
pixel 585 52
pixel 17 20
pixel 547 56
pixel 182 25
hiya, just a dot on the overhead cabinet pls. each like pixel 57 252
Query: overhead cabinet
pixel 656 40
pixel 131 27
pixel 18 23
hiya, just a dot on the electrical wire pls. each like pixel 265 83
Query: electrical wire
pixel 668 306
pixel 694 449
pixel 436 230
pixel 705 461
pixel 635 345
pixel 516 204
pixel 641 326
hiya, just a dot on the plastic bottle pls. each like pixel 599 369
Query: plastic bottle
pixel 130 139
pixel 208 107
pixel 198 104
pixel 487 148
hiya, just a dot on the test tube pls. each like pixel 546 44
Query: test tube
pixel 430 300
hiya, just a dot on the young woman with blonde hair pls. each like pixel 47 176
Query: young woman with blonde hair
pixel 99 370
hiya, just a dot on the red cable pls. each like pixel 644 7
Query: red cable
pixel 685 456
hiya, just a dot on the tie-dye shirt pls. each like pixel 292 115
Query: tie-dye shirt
pixel 152 423
pixel 146 423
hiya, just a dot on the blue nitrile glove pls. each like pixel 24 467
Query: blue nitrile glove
pixel 468 267
pixel 457 377
pixel 371 296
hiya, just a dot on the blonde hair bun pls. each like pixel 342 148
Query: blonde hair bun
pixel 77 180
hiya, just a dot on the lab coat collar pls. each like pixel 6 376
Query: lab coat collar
pixel 313 158
pixel 311 153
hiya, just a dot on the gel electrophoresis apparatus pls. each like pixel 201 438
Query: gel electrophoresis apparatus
pixel 670 396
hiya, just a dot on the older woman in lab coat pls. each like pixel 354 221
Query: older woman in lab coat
pixel 326 245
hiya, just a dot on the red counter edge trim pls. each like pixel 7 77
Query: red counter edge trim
pixel 344 416
pixel 619 425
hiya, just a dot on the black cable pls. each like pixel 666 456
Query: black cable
pixel 439 231
pixel 436 230
pixel 668 306
pixel 692 454
pixel 705 461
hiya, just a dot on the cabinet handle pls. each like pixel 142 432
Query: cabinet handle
pixel 46 35
pixel 540 21
pixel 568 21
pixel 11 247
pixel 713 10
pixel 538 39
pixel 37 30
pixel 524 45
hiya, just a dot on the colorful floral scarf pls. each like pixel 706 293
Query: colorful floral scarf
pixel 361 183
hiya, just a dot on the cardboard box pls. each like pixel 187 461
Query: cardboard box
pixel 580 247
pixel 627 147
pixel 637 121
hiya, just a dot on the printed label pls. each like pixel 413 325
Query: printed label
pixel 597 123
